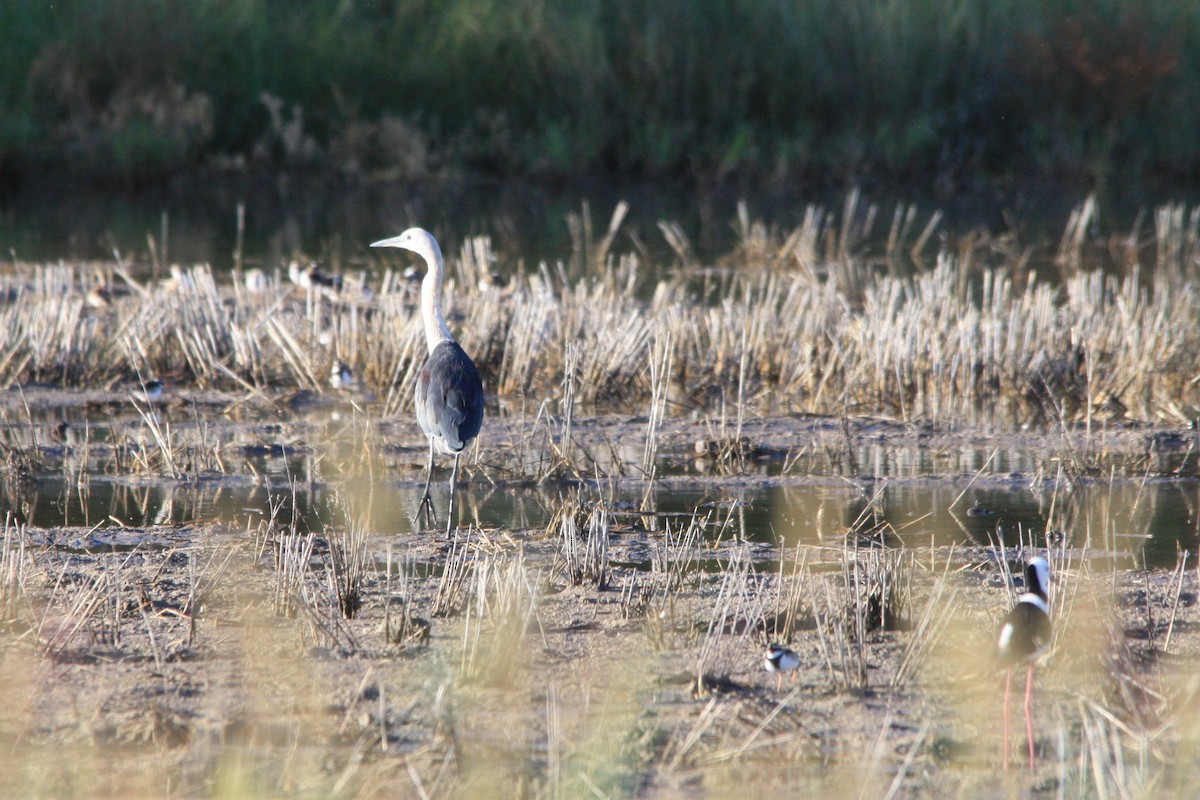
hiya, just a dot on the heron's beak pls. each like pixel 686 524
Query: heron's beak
pixel 392 242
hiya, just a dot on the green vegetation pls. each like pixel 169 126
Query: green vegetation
pixel 711 92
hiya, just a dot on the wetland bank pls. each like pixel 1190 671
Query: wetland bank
pixel 841 446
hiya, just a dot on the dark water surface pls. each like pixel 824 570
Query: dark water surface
pixel 333 220
pixel 312 474
pixel 1127 520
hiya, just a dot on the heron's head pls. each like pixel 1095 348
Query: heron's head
pixel 418 240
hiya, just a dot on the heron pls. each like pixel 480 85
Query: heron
pixel 449 399
pixel 1024 636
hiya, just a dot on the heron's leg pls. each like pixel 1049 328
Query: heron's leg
pixel 1028 709
pixel 1007 692
pixel 426 504
pixel 453 485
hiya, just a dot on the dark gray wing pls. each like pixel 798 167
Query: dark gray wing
pixel 449 398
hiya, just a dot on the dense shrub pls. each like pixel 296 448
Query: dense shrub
pixel 777 90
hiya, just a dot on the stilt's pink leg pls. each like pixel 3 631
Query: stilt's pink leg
pixel 1028 715
pixel 1007 692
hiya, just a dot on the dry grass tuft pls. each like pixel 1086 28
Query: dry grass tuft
pixel 809 320
pixel 583 536
pixel 504 598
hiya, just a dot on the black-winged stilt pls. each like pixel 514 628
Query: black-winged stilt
pixel 1024 636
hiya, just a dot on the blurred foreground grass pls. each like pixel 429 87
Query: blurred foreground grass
pixel 148 694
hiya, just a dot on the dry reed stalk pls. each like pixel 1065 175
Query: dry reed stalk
pixel 674 558
pixel 16 563
pixel 902 221
pixel 1177 577
pixel 347 564
pixel 678 240
pixel 201 586
pixel 1070 248
pixel 660 375
pixel 735 618
pixel 533 318
pixel 600 254
pixel 583 544
pixel 163 438
pixel 675 753
pixel 571 368
pixel 1105 767
pixel 292 556
pixel 906 765
pixel 410 629
pixel 504 593
pixel 939 610
pixel 57 629
pixel 295 355
pixel 458 570
pixel 791 603
pixel 636 597
pixel 839 635
pixel 950 342
pixel 579 225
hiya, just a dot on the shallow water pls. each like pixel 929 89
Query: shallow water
pixel 315 470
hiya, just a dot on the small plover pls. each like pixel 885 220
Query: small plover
pixel 330 284
pixel 148 391
pixel 779 660
pixel 340 377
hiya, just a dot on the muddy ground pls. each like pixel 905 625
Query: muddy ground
pixel 211 659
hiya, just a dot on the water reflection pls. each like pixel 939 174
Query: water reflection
pixel 1125 519
pixel 310 471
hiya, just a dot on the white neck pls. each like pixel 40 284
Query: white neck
pixel 436 331
pixel 1035 600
